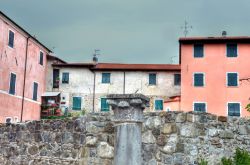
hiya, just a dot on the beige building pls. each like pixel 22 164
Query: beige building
pixel 84 86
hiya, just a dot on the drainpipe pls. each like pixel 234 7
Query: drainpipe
pixel 93 110
pixel 124 82
pixel 24 77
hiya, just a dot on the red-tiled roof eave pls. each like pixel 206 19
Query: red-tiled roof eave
pixel 77 65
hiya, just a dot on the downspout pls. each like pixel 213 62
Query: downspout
pixel 24 77
pixel 93 110
pixel 124 82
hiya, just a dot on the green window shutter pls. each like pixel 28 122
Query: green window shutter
pixel 158 105
pixel 104 105
pixel 77 102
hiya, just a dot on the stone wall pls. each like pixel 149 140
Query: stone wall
pixel 172 138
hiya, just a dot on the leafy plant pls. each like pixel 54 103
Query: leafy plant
pixel 241 157
pixel 226 161
pixel 203 162
pixel 248 107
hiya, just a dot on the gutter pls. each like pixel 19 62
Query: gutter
pixel 93 110
pixel 24 77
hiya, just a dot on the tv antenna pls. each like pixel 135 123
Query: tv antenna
pixel 96 53
pixel 186 28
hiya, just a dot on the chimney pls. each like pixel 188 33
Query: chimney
pixel 224 33
pixel 95 58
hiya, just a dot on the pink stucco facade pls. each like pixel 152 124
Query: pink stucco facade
pixel 215 65
pixel 12 60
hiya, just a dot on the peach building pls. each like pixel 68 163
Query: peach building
pixel 22 72
pixel 215 75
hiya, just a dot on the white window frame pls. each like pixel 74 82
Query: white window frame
pixel 200 102
pixel 156 79
pixel 236 103
pixel 227 80
pixel 204 79
pixel 162 104
pixel 236 50
pixel 203 51
pixel 13 39
pixel 16 119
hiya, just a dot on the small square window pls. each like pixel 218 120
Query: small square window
pixel 159 105
pixel 198 79
pixel 152 79
pixel 231 50
pixel 41 58
pixel 105 78
pixel 104 104
pixel 234 109
pixel 198 50
pixel 65 78
pixel 177 79
pixel 11 39
pixel 200 107
pixel 232 79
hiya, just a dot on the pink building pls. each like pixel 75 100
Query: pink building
pixel 215 75
pixel 22 72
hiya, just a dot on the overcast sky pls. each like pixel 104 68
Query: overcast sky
pixel 126 31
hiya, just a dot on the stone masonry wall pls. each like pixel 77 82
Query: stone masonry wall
pixel 171 138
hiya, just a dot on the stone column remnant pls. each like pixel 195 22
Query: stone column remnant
pixel 128 118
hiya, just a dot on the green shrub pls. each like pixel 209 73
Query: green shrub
pixel 241 157
pixel 226 161
pixel 203 162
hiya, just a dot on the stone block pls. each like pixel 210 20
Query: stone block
pixel 222 118
pixel 148 137
pixel 227 134
pixel 169 128
pixel 104 150
pixel 181 117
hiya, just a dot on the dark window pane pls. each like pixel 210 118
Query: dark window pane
pixel 233 109
pixel 104 105
pixel 158 105
pixel 198 79
pixel 11 39
pixel 105 78
pixel 198 50
pixel 41 58
pixel 177 79
pixel 35 88
pixel 55 78
pixel 152 79
pixel 77 103
pixel 232 79
pixel 65 78
pixel 12 89
pixel 199 107
pixel 231 50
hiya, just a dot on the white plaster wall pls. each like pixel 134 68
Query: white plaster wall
pixel 49 76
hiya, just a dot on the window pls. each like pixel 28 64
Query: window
pixel 177 79
pixel 233 109
pixel 77 103
pixel 8 120
pixel 198 51
pixel 41 58
pixel 199 79
pixel 231 50
pixel 56 79
pixel 104 105
pixel 232 79
pixel 158 105
pixel 65 78
pixel 35 89
pixel 11 39
pixel 105 78
pixel 152 79
pixel 200 107
pixel 12 89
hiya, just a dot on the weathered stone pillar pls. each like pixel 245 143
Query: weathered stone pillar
pixel 128 118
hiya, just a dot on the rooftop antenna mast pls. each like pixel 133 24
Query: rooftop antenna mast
pixel 186 28
pixel 95 56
